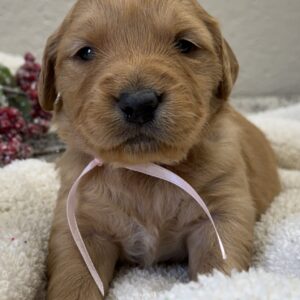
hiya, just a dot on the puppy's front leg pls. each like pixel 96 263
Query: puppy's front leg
pixel 235 225
pixel 69 276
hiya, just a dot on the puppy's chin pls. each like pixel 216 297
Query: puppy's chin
pixel 136 152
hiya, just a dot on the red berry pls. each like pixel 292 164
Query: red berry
pixel 4 125
pixel 33 94
pixel 29 57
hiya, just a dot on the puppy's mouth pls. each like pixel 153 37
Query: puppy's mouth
pixel 140 144
pixel 139 139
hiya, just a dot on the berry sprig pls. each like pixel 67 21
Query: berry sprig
pixel 27 79
pixel 13 133
pixel 21 117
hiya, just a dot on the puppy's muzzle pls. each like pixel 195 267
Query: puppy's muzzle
pixel 139 107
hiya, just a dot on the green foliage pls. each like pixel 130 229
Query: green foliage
pixel 20 101
pixel 11 95
pixel 3 99
pixel 6 78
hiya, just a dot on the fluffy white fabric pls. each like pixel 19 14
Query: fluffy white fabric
pixel 27 198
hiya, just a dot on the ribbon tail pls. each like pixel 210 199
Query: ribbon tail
pixel 71 208
pixel 166 175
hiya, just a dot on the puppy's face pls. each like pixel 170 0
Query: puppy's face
pixel 138 79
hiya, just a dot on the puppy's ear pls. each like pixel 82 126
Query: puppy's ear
pixel 47 81
pixel 46 88
pixel 228 60
pixel 230 68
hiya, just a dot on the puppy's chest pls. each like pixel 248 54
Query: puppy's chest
pixel 151 215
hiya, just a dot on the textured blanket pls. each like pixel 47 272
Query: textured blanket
pixel 27 198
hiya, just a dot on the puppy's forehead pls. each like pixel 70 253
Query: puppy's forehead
pixel 130 8
pixel 136 17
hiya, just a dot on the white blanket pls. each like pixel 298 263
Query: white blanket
pixel 27 198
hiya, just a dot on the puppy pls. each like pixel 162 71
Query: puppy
pixel 148 81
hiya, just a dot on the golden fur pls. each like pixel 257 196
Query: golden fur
pixel 124 216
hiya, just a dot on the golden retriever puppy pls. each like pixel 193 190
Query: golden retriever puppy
pixel 148 81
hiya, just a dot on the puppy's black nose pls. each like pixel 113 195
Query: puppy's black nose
pixel 139 107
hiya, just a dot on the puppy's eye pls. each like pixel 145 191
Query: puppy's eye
pixel 185 46
pixel 85 54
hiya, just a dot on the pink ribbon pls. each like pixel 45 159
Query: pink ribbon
pixel 148 169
